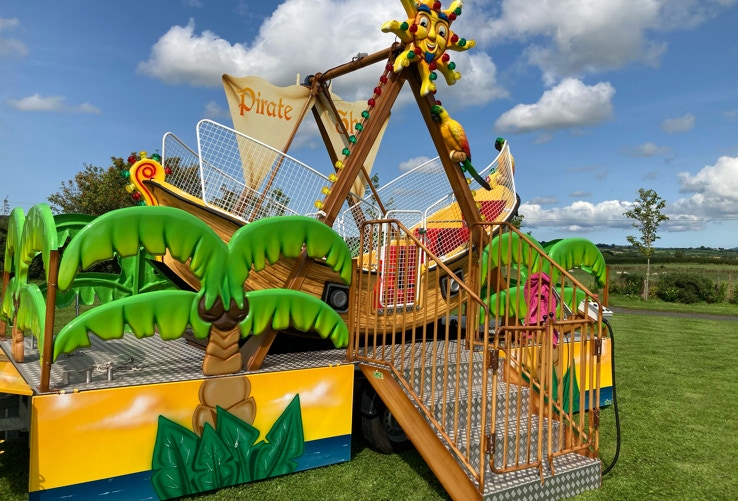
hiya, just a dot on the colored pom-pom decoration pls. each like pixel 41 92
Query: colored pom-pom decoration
pixel 325 190
pixel 167 170
pixel 452 65
pixel 445 57
pixel 404 26
pixel 130 188
pixel 132 159
pixel 156 157
pixel 371 102
pixel 136 196
pixel 143 154
pixel 462 42
pixel 332 178
pixel 364 114
pixel 413 28
pixel 346 152
pixel 318 204
pixel 383 79
pixel 359 127
pixel 433 76
pixel 339 165
pixel 125 174
pixel 352 139
pixel 454 38
pixel 436 5
pixel 378 90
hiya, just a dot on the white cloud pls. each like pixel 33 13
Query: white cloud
pixel 11 46
pixel 573 38
pixel 714 191
pixel 579 217
pixel 50 104
pixel 411 163
pixel 214 111
pixel 679 124
pixel 183 56
pixel 568 105
pixel 646 150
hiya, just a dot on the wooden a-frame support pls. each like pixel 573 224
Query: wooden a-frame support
pixel 256 348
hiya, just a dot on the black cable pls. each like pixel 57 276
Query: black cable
pixel 614 401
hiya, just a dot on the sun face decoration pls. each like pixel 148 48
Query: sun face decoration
pixel 427 36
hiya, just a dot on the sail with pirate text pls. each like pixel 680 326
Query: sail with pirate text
pixel 271 115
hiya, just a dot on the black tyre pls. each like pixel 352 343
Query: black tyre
pixel 379 426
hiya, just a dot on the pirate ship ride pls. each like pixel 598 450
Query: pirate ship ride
pixel 465 337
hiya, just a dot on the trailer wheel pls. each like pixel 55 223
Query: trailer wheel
pixel 379 426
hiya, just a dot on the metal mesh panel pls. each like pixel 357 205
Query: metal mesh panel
pixel 184 164
pixel 252 180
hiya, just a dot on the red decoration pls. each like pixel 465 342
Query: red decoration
pixel 432 66
pixel 377 90
pixel 454 38
pixel 419 51
pixel 436 5
pixel 167 170
pixel 452 16
pixel 132 159
pixel 413 28
pixel 383 79
pixel 136 196
pixel 371 102
pixel 438 102
pixel 389 67
pixel 445 57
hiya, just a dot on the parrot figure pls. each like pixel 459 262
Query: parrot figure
pixel 458 146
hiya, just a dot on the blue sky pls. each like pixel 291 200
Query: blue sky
pixel 597 98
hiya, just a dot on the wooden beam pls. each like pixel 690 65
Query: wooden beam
pixel 439 459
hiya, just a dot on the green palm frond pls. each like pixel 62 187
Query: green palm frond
pixel 156 229
pixel 32 312
pixel 267 239
pixel 39 235
pixel 13 239
pixel 576 253
pixel 67 225
pixel 165 312
pixel 282 308
pixel 511 248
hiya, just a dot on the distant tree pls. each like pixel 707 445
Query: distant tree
pixel 517 220
pixel 647 216
pixel 93 191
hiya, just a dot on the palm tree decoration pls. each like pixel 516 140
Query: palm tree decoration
pixel 221 311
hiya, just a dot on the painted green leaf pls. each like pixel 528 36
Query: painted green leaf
pixel 214 464
pixel 266 239
pixel 174 453
pixel 282 308
pixel 285 442
pixel 157 229
pixel 240 437
pixel 8 306
pixel 168 311
pixel 68 225
pixel 576 253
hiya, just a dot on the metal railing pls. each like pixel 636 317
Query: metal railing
pixel 498 386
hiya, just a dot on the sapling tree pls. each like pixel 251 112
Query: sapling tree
pixel 647 215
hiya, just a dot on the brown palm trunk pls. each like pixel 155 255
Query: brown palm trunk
pixel 221 353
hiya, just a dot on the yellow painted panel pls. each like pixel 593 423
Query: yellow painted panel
pixel 92 435
pixel 10 379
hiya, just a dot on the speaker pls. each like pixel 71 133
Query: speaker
pixel 450 284
pixel 336 296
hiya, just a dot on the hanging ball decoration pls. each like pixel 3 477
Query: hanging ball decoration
pixel 433 76
pixel 352 139
pixel 452 65
pixel 130 188
pixel 143 154
pixel 389 67
pixel 404 26
pixel 167 170
pixel 359 127
pixel 411 55
pixel 462 42
pixel 371 102
pixel 457 11
pixel 413 28
pixel 156 157
pixel 452 16
pixel 378 90
pixel 346 152
pixel 125 174
pixel 365 114
pixel 468 179
pixel 318 204
pixel 136 195
pixel 445 58
pixel 325 190
pixel 132 159
pixel 419 51
pixel 436 5
pixel 332 178
pixel 339 165
pixel 432 66
pixel 454 38
pixel 383 79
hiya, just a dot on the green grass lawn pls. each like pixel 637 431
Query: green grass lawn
pixel 678 400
